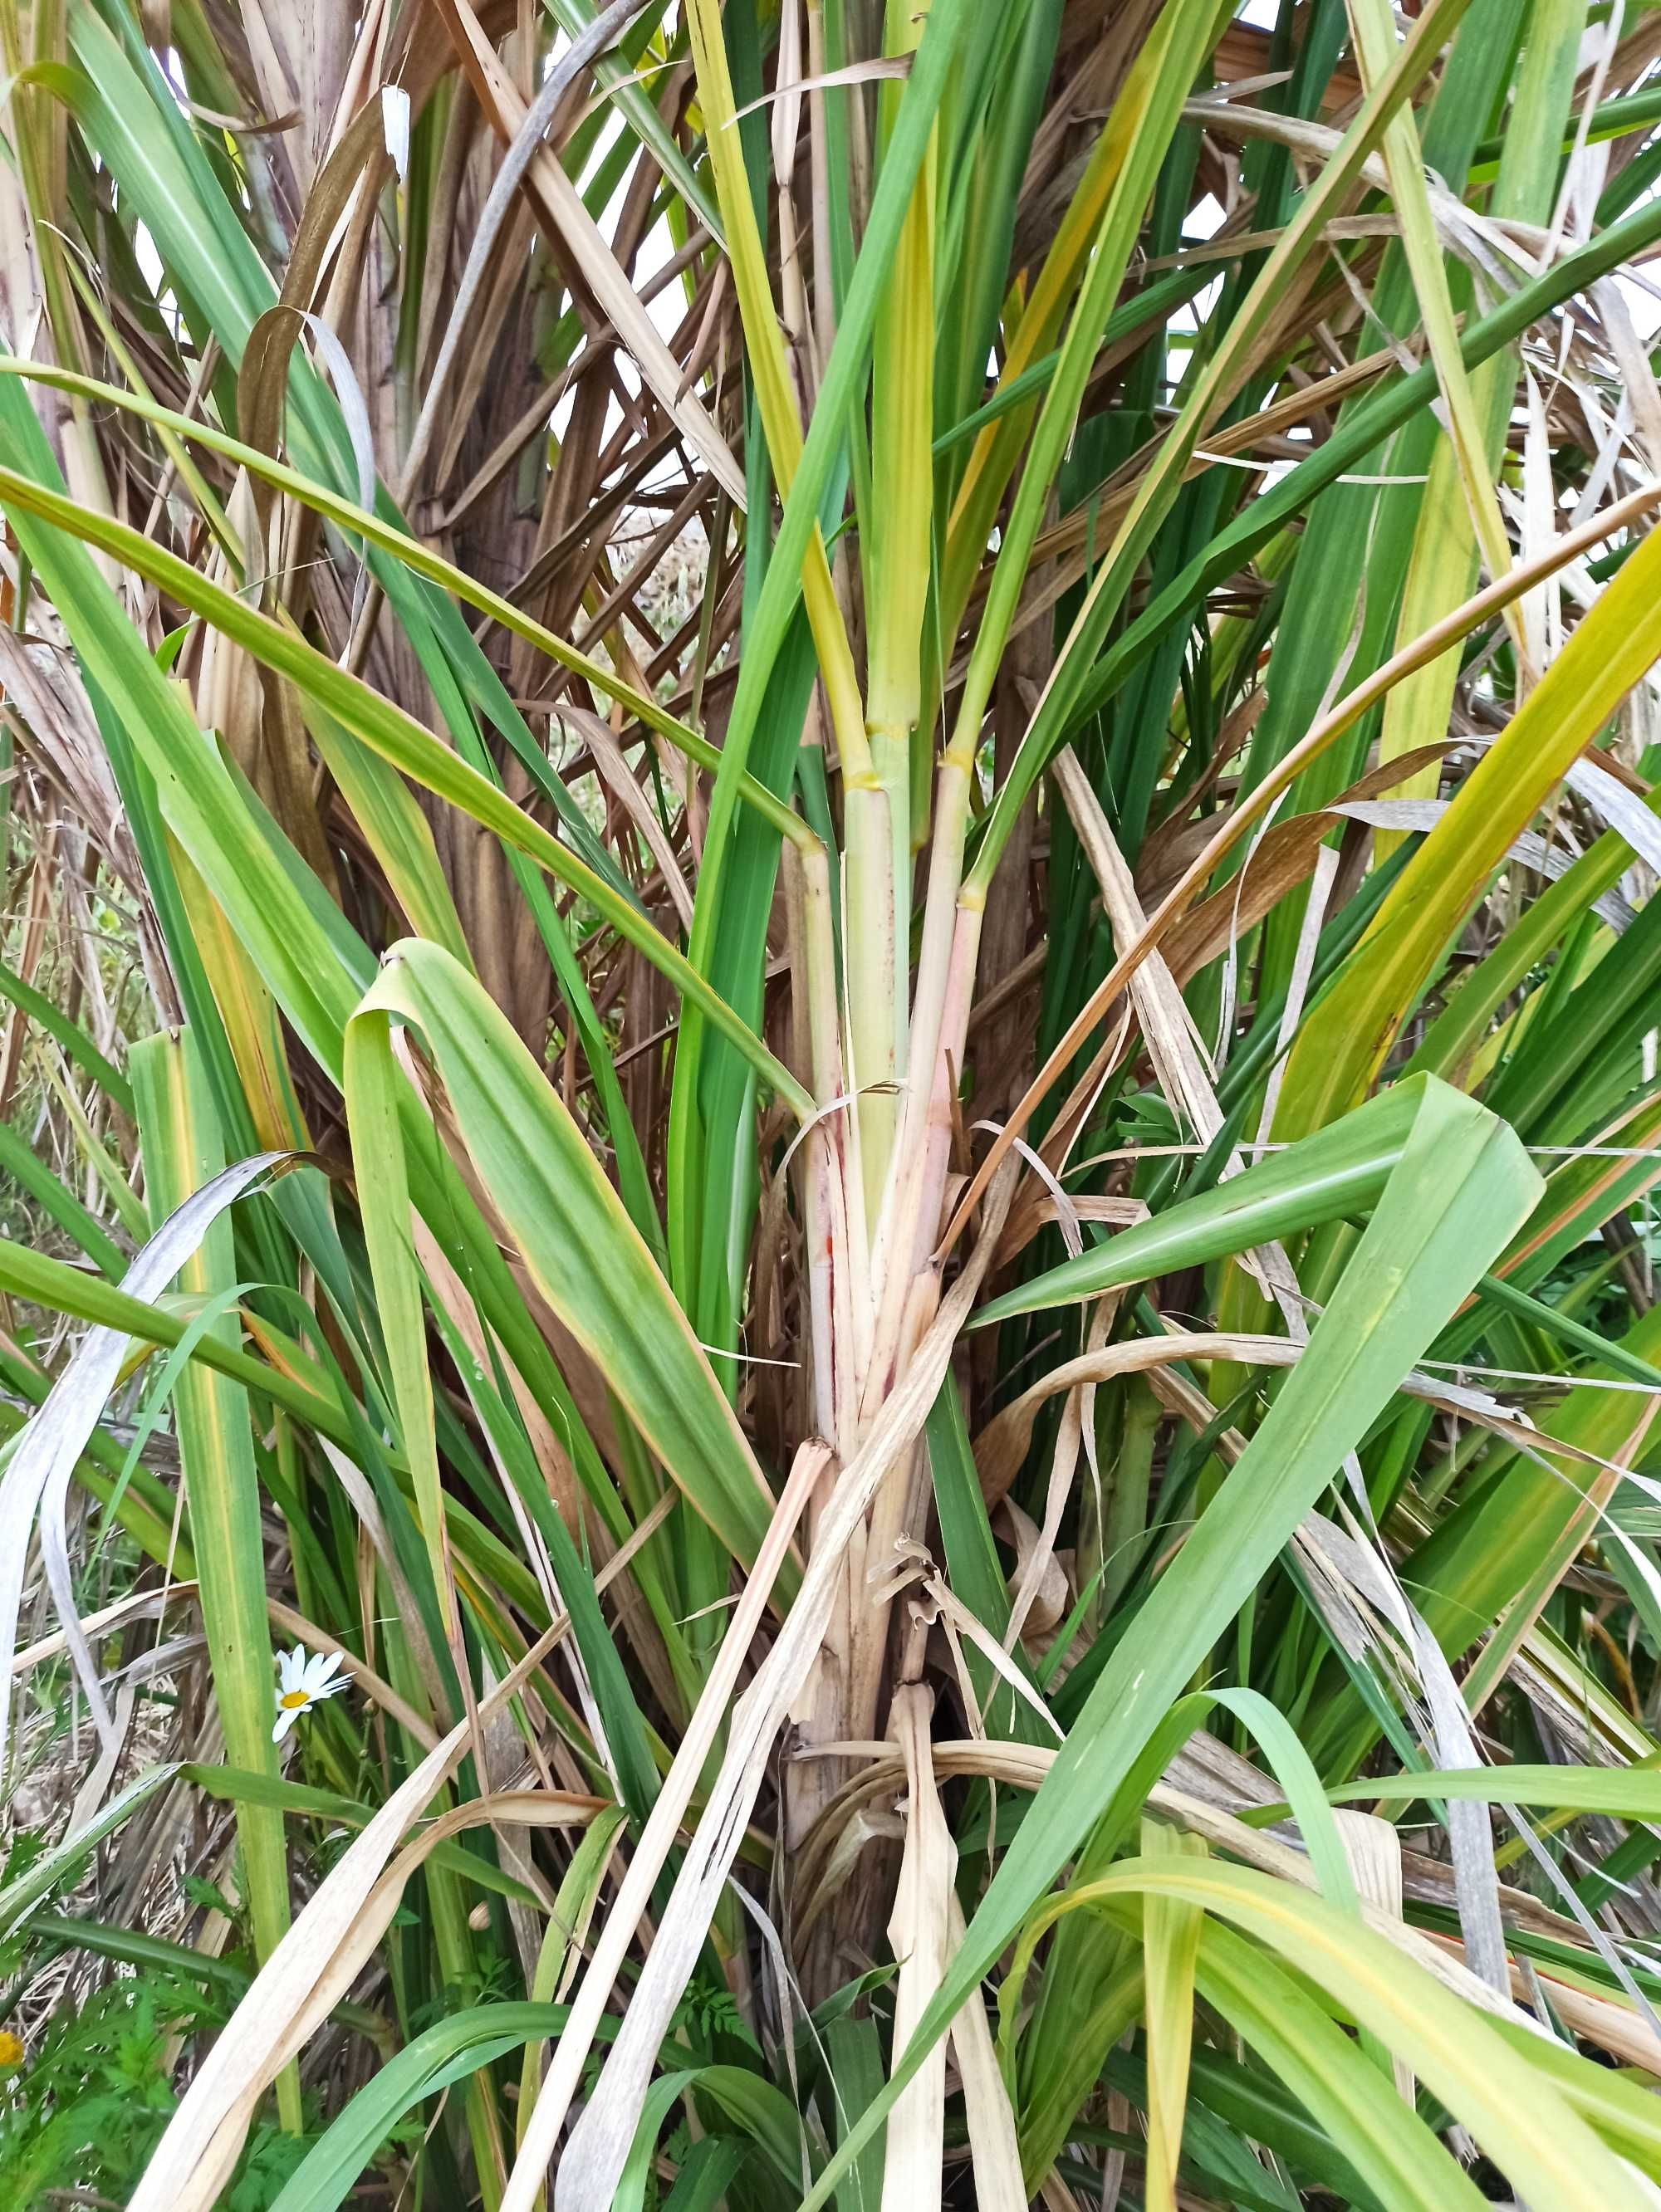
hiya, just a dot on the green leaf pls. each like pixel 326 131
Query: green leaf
pixel 1456 1190
pixel 1327 1177
pixel 1341 1044
pixel 183 1151
pixel 449 2051
pixel 585 1255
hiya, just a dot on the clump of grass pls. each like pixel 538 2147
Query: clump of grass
pixel 830 990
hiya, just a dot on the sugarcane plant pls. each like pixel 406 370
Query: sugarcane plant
pixel 829 1086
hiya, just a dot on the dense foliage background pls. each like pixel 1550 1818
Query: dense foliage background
pixel 830 988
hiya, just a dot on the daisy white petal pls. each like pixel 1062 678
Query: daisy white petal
pixel 317 1681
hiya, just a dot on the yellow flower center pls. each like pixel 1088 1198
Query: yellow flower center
pixel 11 2051
pixel 292 1700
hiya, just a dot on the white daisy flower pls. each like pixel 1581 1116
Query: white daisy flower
pixel 304 1680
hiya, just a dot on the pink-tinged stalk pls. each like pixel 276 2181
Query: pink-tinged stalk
pixel 897 1230
pixel 869 936
pixel 828 1244
pixel 948 1066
